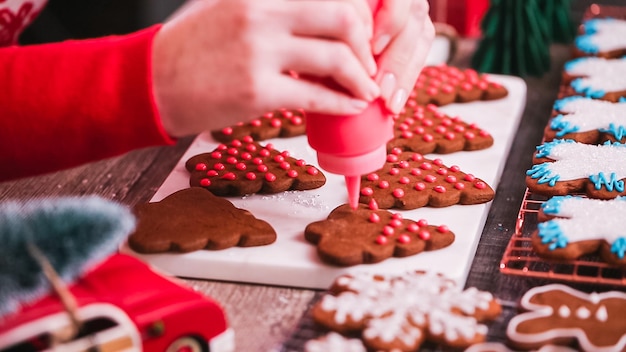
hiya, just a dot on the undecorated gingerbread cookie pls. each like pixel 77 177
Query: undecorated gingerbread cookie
pixel 245 167
pixel 409 180
pixel 564 166
pixel 280 123
pixel 596 77
pixel 192 219
pixel 400 312
pixel 587 120
pixel 368 235
pixel 558 314
pixel 426 129
pixel 571 227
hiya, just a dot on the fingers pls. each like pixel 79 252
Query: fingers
pixel 390 19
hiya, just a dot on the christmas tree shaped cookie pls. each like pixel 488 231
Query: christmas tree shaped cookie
pixel 246 167
pixel 596 77
pixel 280 123
pixel 602 37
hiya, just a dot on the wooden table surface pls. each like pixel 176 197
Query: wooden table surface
pixel 267 318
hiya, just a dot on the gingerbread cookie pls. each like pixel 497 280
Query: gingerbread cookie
pixel 425 129
pixel 596 77
pixel 409 181
pixel 398 313
pixel 564 166
pixel 559 314
pixel 369 235
pixel 602 37
pixel 246 167
pixel 281 123
pixel 443 84
pixel 587 120
pixel 571 227
pixel 192 219
pixel 334 342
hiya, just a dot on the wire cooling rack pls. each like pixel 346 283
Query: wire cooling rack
pixel 519 258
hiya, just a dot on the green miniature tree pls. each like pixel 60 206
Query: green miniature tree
pixel 558 15
pixel 515 39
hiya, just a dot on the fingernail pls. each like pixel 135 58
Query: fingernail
pixel 371 66
pixel 373 91
pixel 359 104
pixel 380 43
pixel 387 85
pixel 398 101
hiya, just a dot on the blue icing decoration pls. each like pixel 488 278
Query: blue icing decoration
pixel 611 184
pixel 621 100
pixel 561 103
pixel 543 173
pixel 618 131
pixel 580 87
pixel 563 127
pixel 553 205
pixel 619 247
pixel 572 63
pixel 591 26
pixel 614 144
pixel 585 44
pixel 550 232
pixel 546 148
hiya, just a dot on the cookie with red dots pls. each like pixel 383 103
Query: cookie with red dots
pixel 193 219
pixel 245 167
pixel 370 235
pixel 409 180
pixel 280 123
pixel 443 84
pixel 426 129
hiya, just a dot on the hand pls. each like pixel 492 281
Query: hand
pixel 224 61
pixel 403 34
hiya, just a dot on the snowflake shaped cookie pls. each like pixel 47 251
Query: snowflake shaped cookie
pixel 571 227
pixel 192 219
pixel 587 120
pixel 245 167
pixel 597 77
pixel 602 37
pixel 280 123
pixel 408 180
pixel 558 314
pixel 425 129
pixel 368 235
pixel 443 84
pixel 401 312
pixel 564 166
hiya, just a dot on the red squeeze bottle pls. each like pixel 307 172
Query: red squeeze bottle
pixel 351 145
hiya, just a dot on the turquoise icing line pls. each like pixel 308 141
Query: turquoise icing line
pixel 563 127
pixel 617 131
pixel 543 173
pixel 585 44
pixel 611 184
pixel 553 205
pixel 619 247
pixel 550 232
pixel 580 87
pixel 546 148
pixel 560 104
pixel 569 65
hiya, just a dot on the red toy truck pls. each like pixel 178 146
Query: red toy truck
pixel 123 306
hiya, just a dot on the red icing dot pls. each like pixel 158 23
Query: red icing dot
pixel 262 168
pixel 240 166
pixel 312 171
pixel 392 158
pixel 219 166
pixel 216 155
pixel 388 230
pixel 420 186
pixel 268 115
pixel 393 171
pixel 395 223
pixel 373 205
pixel 270 177
pixel 381 240
pixel 374 218
pixel 442 171
pixel 236 143
pixel 424 235
pixel 440 189
pixel 222 147
pixel 292 173
pixel 300 162
pixel 483 133
pixel 279 158
pixel 404 238
pixel 231 160
pixel 480 185
pixel 413 227
pixel 422 222
pixel 287 113
pixel 211 173
pixel 438 162
pixel 396 216
pixel 257 161
pixel 398 193
pixel 246 156
pixel 447 88
pixel 443 228
pixel 205 182
pixel 466 86
pixel 455 168
pixel 276 123
pixel 449 136
pixel 432 90
pixel 417 157
pixel 372 177
pixel 232 151
pixel 255 123
pixel 430 178
pixel 426 166
pixel 440 129
pixel 450 179
pixel 407 135
pixel 383 184
pixel 459 186
pixel 416 172
pixel 367 191
pixel 296 120
pixel 229 176
pixel 201 167
pixel 469 178
pixel 427 123
pixel 470 135
pixel 404 180
pixel 285 154
pixel 264 152
pixel 396 151
pixel 251 147
pixel 227 131
pixel 285 165
pixel 459 128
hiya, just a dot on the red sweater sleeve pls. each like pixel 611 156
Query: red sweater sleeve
pixel 64 104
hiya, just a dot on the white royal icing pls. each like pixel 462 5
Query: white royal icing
pixel 609 220
pixel 592 114
pixel 608 35
pixel 577 160
pixel 555 332
pixel 600 74
pixel 421 298
pixel 334 342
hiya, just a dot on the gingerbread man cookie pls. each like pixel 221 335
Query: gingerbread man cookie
pixel 443 84
pixel 192 219
pixel 564 166
pixel 425 129
pixel 246 167
pixel 596 77
pixel 587 120
pixel 369 235
pixel 280 123
pixel 571 227
pixel 559 314
pixel 409 180
pixel 602 37
pixel 398 313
